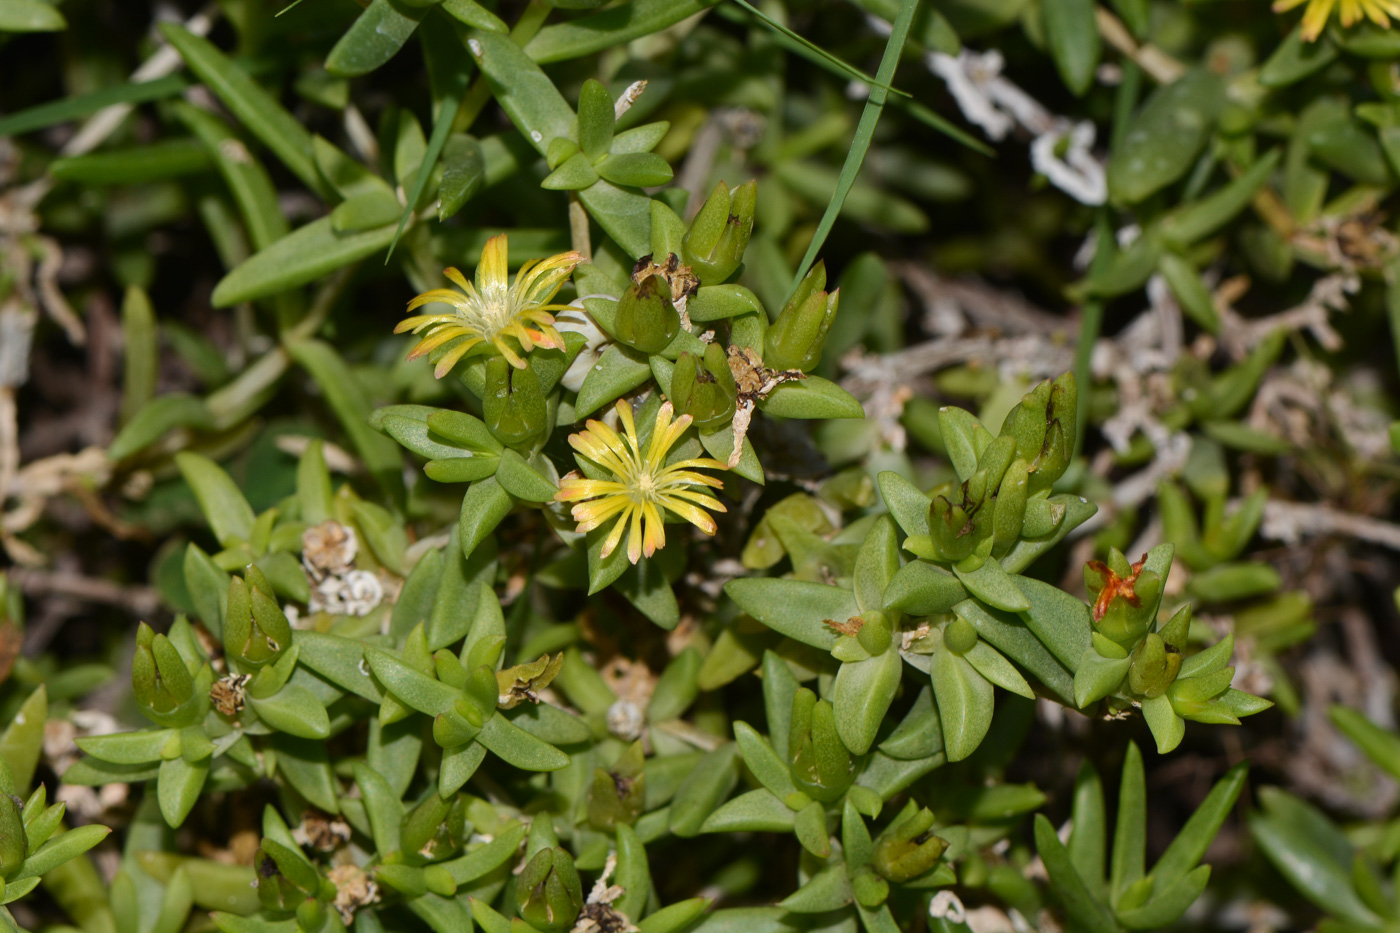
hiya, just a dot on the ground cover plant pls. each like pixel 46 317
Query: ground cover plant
pixel 596 466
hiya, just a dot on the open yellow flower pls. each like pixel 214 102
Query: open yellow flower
pixel 643 486
pixel 1351 12
pixel 494 310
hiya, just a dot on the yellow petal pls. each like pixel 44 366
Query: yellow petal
pixel 614 537
pixel 704 463
pixel 683 478
pixel 1315 18
pixel 655 531
pixel 421 321
pixel 590 515
pixel 504 349
pixel 437 339
pixel 624 413
pixel 450 358
pixel 493 273
pixel 571 490
pixel 697 517
pixel 457 278
pixel 594 449
pixel 713 505
pixel 634 537
pixel 438 295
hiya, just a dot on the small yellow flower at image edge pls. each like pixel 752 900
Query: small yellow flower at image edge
pixel 495 310
pixel 1317 13
pixel 643 486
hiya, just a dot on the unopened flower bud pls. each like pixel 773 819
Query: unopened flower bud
pixel 646 317
pixel 548 891
pixel 619 793
pixel 908 848
pixel 514 404
pixel 958 524
pixel 714 245
pixel 703 387
pixel 796 338
pixel 1154 667
pixel 820 764
pixel 256 631
pixel 160 680
pixel 436 828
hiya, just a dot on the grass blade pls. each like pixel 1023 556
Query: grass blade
pixel 865 130
pixel 81 105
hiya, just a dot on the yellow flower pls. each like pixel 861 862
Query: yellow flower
pixel 642 485
pixel 1352 11
pixel 494 310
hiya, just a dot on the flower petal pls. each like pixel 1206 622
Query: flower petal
pixel 614 536
pixel 493 273
pixel 697 517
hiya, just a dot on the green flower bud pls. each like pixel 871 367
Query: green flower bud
pixel 256 632
pixel 646 318
pixel 1044 426
pixel 160 679
pixel 548 891
pixel 436 828
pixel 957 525
pixel 13 847
pixel 1026 423
pixel 820 764
pixel 714 245
pixel 276 893
pixel 704 387
pixel 907 848
pixel 1063 414
pixel 618 794
pixel 514 403
pixel 960 636
pixel 1153 668
pixel 796 338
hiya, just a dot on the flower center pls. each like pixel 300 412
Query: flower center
pixel 646 487
pixel 489 314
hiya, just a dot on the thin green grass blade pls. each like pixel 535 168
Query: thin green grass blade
pixel 865 130
pixel 815 53
pixel 942 125
pixel 81 105
pixel 441 128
